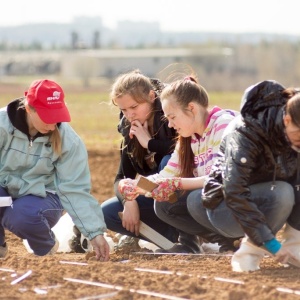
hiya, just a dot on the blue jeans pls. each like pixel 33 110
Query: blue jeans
pixel 31 217
pixel 113 206
pixel 294 218
pixel 177 215
pixel 276 205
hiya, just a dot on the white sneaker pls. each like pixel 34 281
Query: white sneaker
pixel 247 258
pixel 3 250
pixel 291 241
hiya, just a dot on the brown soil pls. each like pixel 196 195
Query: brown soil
pixel 137 276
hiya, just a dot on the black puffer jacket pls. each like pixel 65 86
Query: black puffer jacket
pixel 256 151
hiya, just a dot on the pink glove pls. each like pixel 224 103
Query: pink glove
pixel 128 189
pixel 166 187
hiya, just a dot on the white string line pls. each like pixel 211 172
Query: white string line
pixel 7 270
pixel 73 263
pixel 279 289
pixel 102 296
pixel 180 274
pixel 120 288
pixel 181 254
pixel 287 290
pixel 43 290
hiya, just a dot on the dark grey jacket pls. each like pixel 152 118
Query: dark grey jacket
pixel 256 151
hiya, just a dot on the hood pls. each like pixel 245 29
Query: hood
pixel 261 96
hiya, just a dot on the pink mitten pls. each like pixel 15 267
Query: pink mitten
pixel 128 189
pixel 166 187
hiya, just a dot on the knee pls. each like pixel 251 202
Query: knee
pixel 160 209
pixel 105 208
pixel 284 195
pixel 194 200
pixel 110 209
pixel 17 219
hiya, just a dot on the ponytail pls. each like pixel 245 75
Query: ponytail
pixel 55 140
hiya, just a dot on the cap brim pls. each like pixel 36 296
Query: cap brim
pixel 54 115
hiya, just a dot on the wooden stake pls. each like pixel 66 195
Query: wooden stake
pixel 152 235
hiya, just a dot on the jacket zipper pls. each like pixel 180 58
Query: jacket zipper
pixel 30 142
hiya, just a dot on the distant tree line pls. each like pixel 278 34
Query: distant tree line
pixel 247 63
pixel 35 45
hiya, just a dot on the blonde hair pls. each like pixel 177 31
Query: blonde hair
pixel 54 136
pixel 138 87
pixel 55 139
pixel 135 84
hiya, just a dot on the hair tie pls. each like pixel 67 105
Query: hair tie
pixel 190 78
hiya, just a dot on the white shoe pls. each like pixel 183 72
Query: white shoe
pixel 247 257
pixel 291 241
pixel 3 250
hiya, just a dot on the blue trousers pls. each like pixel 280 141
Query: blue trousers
pixel 177 215
pixel 112 206
pixel 276 205
pixel 31 218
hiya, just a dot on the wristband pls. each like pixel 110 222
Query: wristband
pixel 272 246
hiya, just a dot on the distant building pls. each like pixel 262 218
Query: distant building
pixel 110 63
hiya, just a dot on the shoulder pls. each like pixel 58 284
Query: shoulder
pixel 5 124
pixel 69 136
pixel 223 116
pixel 226 113
pixel 3 112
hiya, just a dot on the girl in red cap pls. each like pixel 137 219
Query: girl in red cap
pixel 44 170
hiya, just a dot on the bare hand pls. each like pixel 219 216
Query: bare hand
pixel 141 132
pixel 100 247
pixel 131 217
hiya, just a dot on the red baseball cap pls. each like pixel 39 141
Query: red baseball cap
pixel 47 97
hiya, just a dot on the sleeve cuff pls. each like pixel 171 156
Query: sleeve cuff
pixel 272 246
